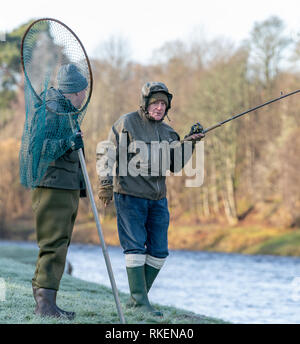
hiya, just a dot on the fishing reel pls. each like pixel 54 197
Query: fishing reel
pixel 195 129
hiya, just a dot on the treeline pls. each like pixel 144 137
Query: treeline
pixel 251 164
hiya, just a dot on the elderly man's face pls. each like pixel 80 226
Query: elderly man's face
pixel 157 110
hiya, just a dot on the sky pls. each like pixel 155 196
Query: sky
pixel 147 25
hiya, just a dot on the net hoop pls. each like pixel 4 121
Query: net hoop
pixel 84 52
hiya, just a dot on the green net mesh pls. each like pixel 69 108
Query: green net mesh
pixel 57 87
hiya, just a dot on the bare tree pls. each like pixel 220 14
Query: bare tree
pixel 268 42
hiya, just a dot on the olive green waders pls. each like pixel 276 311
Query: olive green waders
pixel 55 212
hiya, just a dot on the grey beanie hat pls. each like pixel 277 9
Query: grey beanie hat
pixel 70 79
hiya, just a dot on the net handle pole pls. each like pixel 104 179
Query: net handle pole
pixel 100 233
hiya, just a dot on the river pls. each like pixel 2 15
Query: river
pixel 233 287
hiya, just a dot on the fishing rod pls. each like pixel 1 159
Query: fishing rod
pixel 197 128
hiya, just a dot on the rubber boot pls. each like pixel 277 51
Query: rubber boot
pixel 150 275
pixel 138 290
pixel 69 315
pixel 46 304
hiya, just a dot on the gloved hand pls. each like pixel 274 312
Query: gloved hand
pixel 196 133
pixel 76 141
pixel 105 194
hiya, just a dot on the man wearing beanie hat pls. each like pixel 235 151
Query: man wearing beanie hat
pixel 72 84
pixel 140 198
pixel 55 200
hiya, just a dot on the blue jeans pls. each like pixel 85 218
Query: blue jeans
pixel 143 225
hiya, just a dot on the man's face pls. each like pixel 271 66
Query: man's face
pixel 157 110
pixel 79 98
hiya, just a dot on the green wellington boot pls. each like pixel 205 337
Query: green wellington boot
pixel 138 290
pixel 150 275
pixel 46 304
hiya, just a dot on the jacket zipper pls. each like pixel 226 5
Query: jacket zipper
pixel 159 162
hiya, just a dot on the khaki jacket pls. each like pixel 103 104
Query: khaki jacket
pixel 121 164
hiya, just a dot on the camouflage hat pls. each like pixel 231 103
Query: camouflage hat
pixel 150 89
pixel 159 96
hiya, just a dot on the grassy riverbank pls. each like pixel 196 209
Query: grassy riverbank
pixel 92 302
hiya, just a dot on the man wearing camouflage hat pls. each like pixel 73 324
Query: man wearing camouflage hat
pixel 140 198
pixel 55 200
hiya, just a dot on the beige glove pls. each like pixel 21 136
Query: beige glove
pixel 105 194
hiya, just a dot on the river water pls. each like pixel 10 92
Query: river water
pixel 233 287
